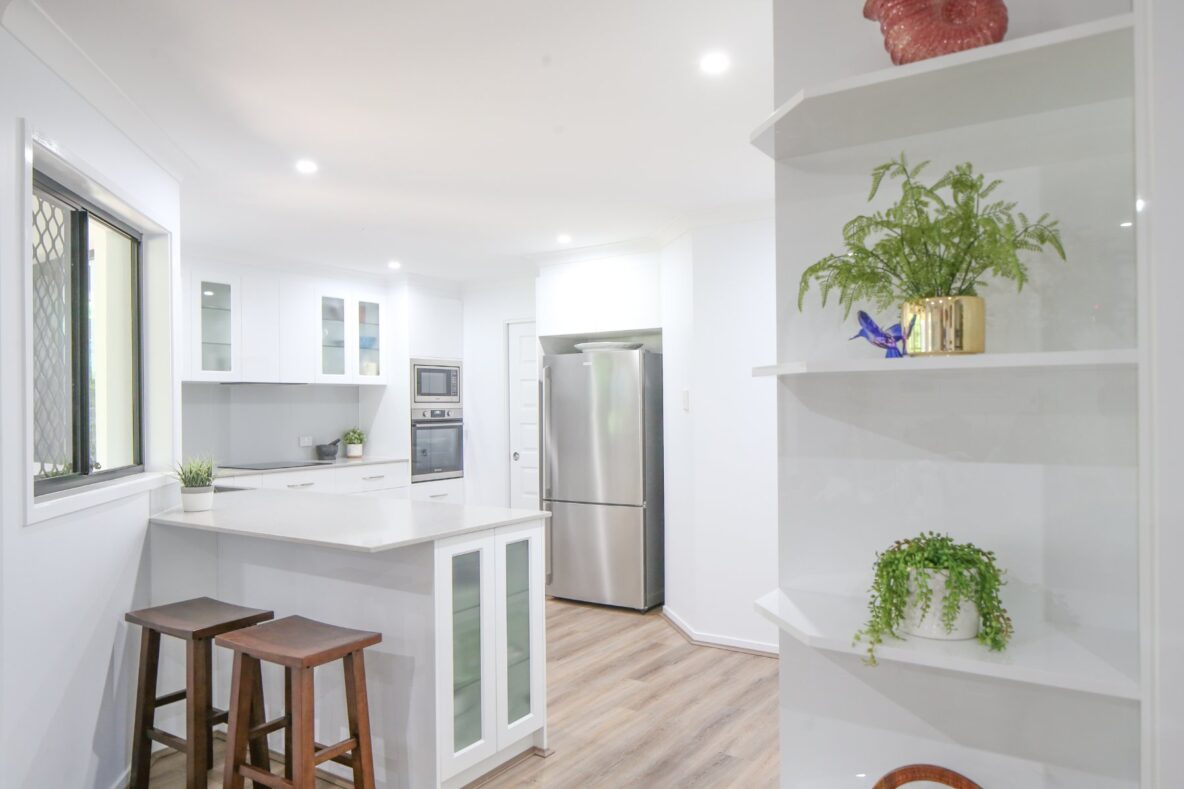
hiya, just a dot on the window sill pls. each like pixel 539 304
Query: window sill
pixel 55 505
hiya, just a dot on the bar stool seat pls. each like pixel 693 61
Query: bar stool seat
pixel 196 622
pixel 299 645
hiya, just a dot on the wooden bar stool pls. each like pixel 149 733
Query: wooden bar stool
pixel 196 622
pixel 299 645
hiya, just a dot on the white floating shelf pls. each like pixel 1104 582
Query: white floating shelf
pixel 984 361
pixel 1040 653
pixel 1070 67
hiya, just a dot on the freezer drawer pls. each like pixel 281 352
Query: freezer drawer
pixel 597 553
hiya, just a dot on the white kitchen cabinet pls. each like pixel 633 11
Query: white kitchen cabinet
pixel 321 480
pixel 351 336
pixel 403 492
pixel 245 481
pixel 299 345
pixel 372 478
pixel 260 327
pixel 449 490
pixel 213 298
pixel 490 690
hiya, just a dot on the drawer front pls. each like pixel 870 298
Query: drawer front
pixel 388 493
pixel 319 480
pixel 449 490
pixel 380 476
pixel 252 481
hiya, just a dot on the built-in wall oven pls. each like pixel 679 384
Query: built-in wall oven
pixel 434 383
pixel 437 444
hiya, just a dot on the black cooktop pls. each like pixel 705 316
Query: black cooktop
pixel 274 464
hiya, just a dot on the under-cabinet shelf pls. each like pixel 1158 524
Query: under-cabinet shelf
pixel 1088 660
pixel 1071 67
pixel 983 361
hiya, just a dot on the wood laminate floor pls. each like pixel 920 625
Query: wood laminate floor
pixel 633 704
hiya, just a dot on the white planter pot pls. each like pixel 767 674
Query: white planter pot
pixel 197 499
pixel 930 625
pixel 353 450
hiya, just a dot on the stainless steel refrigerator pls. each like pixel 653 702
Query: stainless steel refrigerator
pixel 601 476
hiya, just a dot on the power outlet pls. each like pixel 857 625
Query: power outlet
pixel 305 441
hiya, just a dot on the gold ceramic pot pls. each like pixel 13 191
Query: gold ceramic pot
pixel 945 326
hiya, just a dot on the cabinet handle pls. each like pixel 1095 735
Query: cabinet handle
pixel 374 477
pixel 301 484
pixel 437 495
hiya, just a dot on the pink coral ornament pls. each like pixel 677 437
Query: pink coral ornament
pixel 920 29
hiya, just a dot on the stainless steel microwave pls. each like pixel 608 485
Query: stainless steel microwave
pixel 435 381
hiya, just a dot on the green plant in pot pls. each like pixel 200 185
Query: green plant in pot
pixel 196 476
pixel 353 440
pixel 930 254
pixel 932 587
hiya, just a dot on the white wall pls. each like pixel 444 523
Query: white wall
pixel 614 292
pixel 66 657
pixel 721 455
pixel 487 308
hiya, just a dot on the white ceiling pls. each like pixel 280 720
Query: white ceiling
pixel 457 136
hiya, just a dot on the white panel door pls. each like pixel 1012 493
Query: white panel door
pixel 522 373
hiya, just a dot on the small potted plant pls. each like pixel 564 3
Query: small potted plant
pixel 353 439
pixel 932 587
pixel 197 484
pixel 930 254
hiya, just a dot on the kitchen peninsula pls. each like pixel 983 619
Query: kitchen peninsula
pixel 457 686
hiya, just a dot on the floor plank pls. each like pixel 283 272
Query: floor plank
pixel 633 704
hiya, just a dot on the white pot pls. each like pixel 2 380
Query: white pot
pixel 353 450
pixel 197 499
pixel 930 625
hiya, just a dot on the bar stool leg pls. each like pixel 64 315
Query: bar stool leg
pixel 358 711
pixel 304 747
pixel 197 712
pixel 145 714
pixel 260 755
pixel 238 722
pixel 288 726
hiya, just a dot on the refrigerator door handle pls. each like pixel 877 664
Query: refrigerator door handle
pixel 550 538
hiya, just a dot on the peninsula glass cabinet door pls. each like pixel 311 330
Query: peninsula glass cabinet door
pixel 466 684
pixel 521 645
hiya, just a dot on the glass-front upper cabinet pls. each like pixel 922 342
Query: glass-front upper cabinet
pixel 333 340
pixel 216 322
pixel 369 340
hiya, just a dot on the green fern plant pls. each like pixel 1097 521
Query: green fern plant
pixel 973 578
pixel 928 243
pixel 196 473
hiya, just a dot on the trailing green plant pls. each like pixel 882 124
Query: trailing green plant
pixel 354 436
pixel 928 244
pixel 974 578
pixel 196 473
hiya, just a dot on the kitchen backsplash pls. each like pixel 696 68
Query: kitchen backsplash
pixel 246 423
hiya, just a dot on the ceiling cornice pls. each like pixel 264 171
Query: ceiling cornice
pixel 32 26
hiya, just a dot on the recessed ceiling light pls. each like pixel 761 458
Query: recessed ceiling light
pixel 394 264
pixel 1127 224
pixel 306 166
pixel 715 63
pixel 563 238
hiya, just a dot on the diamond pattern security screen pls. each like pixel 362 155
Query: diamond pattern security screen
pixel 53 366
pixel 86 342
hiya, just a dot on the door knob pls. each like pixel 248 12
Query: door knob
pixel 516 456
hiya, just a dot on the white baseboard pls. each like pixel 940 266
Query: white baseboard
pixel 714 640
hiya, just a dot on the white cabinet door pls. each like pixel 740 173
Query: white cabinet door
pixel 214 311
pixel 466 688
pixel 449 490
pixel 336 363
pixel 521 645
pixel 300 331
pixel 260 327
pixel 371 350
pixel 321 480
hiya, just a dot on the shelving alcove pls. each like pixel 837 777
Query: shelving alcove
pixel 1030 450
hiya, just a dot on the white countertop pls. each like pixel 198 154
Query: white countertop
pixel 228 471
pixel 353 523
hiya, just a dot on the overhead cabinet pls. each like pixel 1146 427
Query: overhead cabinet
pixel 254 326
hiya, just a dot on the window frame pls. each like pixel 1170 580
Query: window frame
pixel 81 211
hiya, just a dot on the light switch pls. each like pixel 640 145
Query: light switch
pixel 686 400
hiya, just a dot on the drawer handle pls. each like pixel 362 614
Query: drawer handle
pixel 376 476
pixel 437 495
pixel 302 484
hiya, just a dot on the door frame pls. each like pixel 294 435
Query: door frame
pixel 506 413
